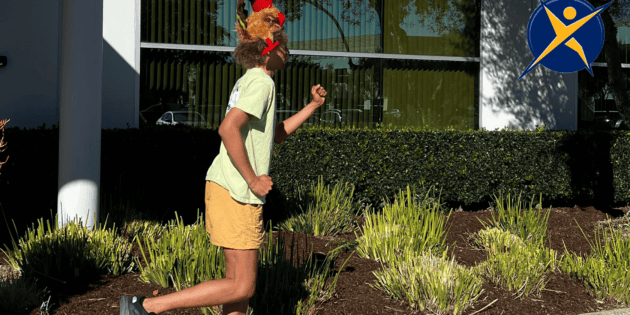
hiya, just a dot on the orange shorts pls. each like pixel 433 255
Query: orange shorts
pixel 232 224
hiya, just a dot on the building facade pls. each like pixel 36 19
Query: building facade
pixel 449 64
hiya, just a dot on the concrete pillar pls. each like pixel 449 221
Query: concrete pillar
pixel 541 97
pixel 80 98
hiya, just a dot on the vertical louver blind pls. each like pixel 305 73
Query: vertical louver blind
pixel 193 22
pixel 436 99
pixel 207 87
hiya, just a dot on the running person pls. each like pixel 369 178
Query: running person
pixel 238 179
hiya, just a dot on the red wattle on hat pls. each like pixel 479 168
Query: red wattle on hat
pixel 281 18
pixel 261 4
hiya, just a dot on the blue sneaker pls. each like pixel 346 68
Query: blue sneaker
pixel 133 306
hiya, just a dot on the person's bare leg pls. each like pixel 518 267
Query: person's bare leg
pixel 236 308
pixel 233 291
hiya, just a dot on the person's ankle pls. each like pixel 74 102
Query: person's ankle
pixel 147 306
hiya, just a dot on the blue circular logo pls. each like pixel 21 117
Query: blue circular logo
pixel 565 35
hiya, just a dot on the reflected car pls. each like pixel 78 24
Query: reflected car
pixel 178 117
pixel 610 121
pixel 394 112
pixel 621 124
pixel 331 117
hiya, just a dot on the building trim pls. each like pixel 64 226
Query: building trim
pixel 299 52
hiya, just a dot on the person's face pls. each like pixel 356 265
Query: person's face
pixel 278 59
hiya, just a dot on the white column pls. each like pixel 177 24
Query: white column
pixel 121 60
pixel 541 97
pixel 80 94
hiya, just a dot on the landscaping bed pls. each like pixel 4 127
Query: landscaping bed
pixel 353 293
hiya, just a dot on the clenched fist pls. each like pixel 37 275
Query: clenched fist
pixel 319 95
pixel 261 185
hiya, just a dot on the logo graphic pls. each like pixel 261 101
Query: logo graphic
pixel 565 35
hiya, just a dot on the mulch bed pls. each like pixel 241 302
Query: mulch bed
pixel 353 295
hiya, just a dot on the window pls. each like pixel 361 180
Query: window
pixel 342 44
pixel 596 106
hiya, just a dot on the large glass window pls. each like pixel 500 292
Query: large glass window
pixel 362 91
pixel 596 106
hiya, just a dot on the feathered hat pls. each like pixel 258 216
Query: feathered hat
pixel 261 24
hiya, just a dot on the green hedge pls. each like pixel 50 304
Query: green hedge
pixel 469 166
pixel 170 164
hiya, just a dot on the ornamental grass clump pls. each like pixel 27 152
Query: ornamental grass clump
pixel 528 224
pixel 282 288
pixel 125 214
pixel 184 257
pixel 148 229
pixel 430 282
pixel 523 269
pixel 403 226
pixel 69 255
pixel 2 143
pixel 495 240
pixel 20 296
pixel 605 271
pixel 327 212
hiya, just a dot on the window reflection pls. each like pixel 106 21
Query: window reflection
pixel 361 91
pixel 352 85
pixel 323 25
pixel 201 82
pixel 432 27
pixel 622 23
pixel 596 106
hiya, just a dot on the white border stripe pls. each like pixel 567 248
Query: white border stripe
pixel 313 52
pixel 603 64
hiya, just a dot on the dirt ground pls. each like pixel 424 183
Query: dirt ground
pixel 353 295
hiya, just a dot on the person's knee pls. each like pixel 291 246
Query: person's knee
pixel 246 291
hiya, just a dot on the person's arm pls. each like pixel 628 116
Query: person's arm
pixel 291 124
pixel 230 132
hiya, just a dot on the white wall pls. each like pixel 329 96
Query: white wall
pixel 540 97
pixel 121 63
pixel 29 37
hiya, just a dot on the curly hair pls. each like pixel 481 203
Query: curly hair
pixel 249 54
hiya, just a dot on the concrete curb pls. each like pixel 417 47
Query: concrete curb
pixel 621 311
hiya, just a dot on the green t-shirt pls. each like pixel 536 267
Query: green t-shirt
pixel 255 94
